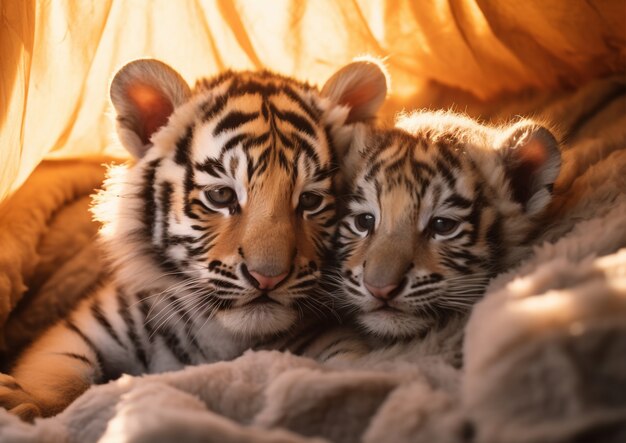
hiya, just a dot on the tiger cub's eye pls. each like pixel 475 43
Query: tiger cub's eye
pixel 221 197
pixel 442 225
pixel 364 222
pixel 309 201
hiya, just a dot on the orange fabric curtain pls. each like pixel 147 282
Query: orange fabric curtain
pixel 57 57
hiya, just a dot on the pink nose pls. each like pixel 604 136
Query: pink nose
pixel 266 282
pixel 384 293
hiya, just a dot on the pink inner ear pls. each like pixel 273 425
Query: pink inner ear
pixel 532 156
pixel 362 95
pixel 153 109
pixel 535 154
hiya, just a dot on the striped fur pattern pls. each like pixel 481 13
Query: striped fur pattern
pixel 217 235
pixel 435 208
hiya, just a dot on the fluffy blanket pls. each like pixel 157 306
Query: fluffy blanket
pixel 544 350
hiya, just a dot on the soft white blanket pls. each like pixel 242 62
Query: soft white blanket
pixel 545 360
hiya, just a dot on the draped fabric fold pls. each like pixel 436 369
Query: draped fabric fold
pixel 57 57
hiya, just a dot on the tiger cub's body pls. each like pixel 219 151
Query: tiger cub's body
pixel 217 235
pixel 435 208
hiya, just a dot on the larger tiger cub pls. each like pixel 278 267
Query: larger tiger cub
pixel 217 234
pixel 435 208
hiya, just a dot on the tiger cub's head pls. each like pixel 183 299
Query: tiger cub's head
pixel 229 207
pixel 436 207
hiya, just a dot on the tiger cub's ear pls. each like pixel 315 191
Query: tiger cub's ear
pixel 361 86
pixel 144 94
pixel 532 161
pixel 360 89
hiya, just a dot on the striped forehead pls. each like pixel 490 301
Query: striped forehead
pixel 258 126
pixel 412 172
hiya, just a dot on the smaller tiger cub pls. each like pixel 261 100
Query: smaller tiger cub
pixel 435 208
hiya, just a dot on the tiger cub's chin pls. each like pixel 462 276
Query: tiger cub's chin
pixel 258 320
pixel 434 209
pixel 394 324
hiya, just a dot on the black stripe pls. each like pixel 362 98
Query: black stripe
pixel 494 241
pixel 262 162
pixel 463 254
pixel 335 353
pixel 124 311
pixel 211 109
pixel 233 120
pixel 144 306
pixel 446 173
pixel 305 146
pixel 232 143
pixel 174 345
pixel 194 202
pixel 188 187
pixel 202 249
pixel 80 357
pixel 169 338
pixel 188 324
pixel 166 202
pixel 223 284
pixel 304 284
pixel 423 291
pixel 284 163
pixel 256 141
pixel 184 239
pixel 147 196
pixel 474 218
pixel 323 173
pixel 448 156
pixel 308 340
pixel 353 291
pixel 98 314
pixel 458 201
pixel 457 267
pixel 183 147
pixel 332 344
pixel 329 207
pixel 420 168
pixel 251 87
pixel 250 168
pixel 297 121
pixel 104 372
pixel 284 140
pixel 314 114
pixel 212 167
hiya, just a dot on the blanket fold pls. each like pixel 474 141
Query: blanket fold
pixel 44 225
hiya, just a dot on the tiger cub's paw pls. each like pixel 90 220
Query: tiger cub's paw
pixel 16 400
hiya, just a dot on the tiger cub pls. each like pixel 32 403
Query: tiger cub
pixel 435 208
pixel 217 234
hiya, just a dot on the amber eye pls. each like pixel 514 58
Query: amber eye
pixel 309 201
pixel 443 226
pixel 364 222
pixel 221 197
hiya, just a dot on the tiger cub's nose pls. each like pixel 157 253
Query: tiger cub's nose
pixel 383 293
pixel 261 281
